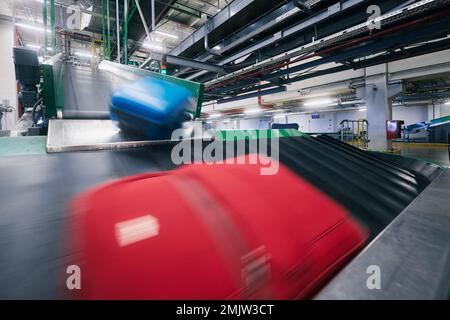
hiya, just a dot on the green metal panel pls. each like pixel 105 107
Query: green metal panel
pixel 14 146
pixel 439 121
pixel 44 18
pixel 230 135
pixel 53 85
pixel 198 110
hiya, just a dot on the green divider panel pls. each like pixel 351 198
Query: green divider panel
pixel 53 85
pixel 27 145
pixel 230 135
pixel 439 121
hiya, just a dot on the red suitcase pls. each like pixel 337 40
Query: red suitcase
pixel 210 232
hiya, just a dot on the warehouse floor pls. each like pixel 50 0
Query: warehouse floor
pixel 436 153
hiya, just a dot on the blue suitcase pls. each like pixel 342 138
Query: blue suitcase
pixel 150 107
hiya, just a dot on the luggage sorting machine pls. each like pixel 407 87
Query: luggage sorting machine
pixel 385 193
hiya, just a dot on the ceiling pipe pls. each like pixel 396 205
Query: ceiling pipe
pixel 118 31
pixel 125 31
pixel 344 45
pixel 44 18
pixel 153 16
pixel 206 38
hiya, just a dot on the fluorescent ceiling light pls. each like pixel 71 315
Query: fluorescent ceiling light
pixel 152 46
pixel 279 116
pixel 214 115
pixel 34 46
pixel 362 109
pixel 31 27
pixel 319 102
pixel 351 102
pixel 254 110
pixel 83 54
pixel 166 34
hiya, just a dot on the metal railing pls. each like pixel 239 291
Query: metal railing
pixel 355 132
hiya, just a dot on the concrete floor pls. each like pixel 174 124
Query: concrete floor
pixel 436 153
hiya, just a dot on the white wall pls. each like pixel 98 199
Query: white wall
pixel 349 115
pixel 7 73
pixel 330 121
pixel 225 125
pixel 253 124
pixel 411 114
pixel 325 123
pixel 445 110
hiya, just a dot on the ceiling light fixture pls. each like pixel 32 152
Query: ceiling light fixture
pixel 34 46
pixel 214 115
pixel 319 102
pixel 152 46
pixel 83 54
pixel 166 34
pixel 31 27
pixel 251 111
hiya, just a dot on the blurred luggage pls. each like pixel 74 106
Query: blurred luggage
pixel 150 107
pixel 210 232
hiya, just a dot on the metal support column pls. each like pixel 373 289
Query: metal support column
pixel 52 25
pixel 125 31
pixel 118 30
pixel 44 18
pixel 138 6
pixel 153 16
pixel 103 30
pixel 108 27
pixel 379 107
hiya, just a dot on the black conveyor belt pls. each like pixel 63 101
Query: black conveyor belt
pixel 33 193
pixel 35 189
pixel 412 253
pixel 87 92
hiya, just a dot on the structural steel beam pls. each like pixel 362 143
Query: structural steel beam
pixel 302 25
pixel 125 31
pixel 52 25
pixel 252 95
pixel 320 43
pixel 103 29
pixel 118 31
pixel 303 6
pixel 229 11
pixel 180 61
pixel 141 14
pixel 44 18
pixel 108 27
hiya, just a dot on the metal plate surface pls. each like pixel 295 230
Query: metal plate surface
pixel 89 135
